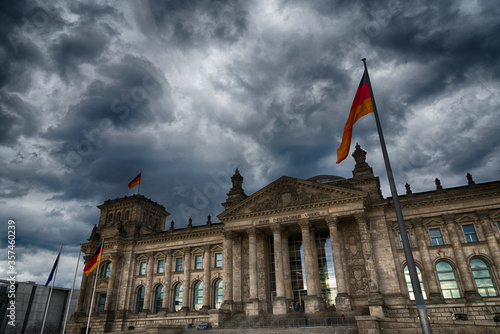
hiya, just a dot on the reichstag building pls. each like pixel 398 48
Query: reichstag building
pixel 317 248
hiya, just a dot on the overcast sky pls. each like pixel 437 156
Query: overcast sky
pixel 94 92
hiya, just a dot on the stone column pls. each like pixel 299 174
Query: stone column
pixel 115 259
pixel 253 307
pixel 206 278
pixel 186 282
pixel 168 280
pixel 343 301
pixel 312 303
pixel 433 294
pixel 314 250
pixel 485 220
pixel 237 288
pixel 286 266
pixel 469 288
pixel 227 263
pixel 375 300
pixel 279 305
pixel 149 285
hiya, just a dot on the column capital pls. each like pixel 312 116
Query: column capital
pixel 360 217
pixel 449 218
pixel 304 224
pixel 483 214
pixel 253 231
pixel 276 228
pixel 332 220
pixel 207 248
pixel 168 252
pixel 115 257
pixel 186 250
pixel 228 235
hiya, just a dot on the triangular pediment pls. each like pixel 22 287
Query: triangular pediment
pixel 288 193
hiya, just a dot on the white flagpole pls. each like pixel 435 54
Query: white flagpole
pixel 51 288
pixel 95 284
pixel 71 293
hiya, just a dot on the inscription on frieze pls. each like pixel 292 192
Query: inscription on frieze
pixel 294 217
pixel 287 195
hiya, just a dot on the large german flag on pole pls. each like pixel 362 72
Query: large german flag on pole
pixel 361 106
pixel 94 262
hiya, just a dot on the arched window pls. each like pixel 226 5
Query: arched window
pixel 218 294
pixel 127 213
pixel 139 305
pixel 447 280
pixel 105 270
pixel 408 283
pixel 158 299
pixel 119 216
pixel 482 277
pixel 177 297
pixel 110 218
pixel 198 296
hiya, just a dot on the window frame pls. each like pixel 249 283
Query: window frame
pixel 198 264
pixel 176 300
pixel 407 279
pixel 160 268
pixel 440 280
pixel 158 301
pixel 466 234
pixel 217 262
pixel 433 238
pixel 218 294
pixel 142 268
pixel 139 299
pixel 490 277
pixel 197 302
pixel 179 264
pixel 101 303
pixel 401 239
pixel 106 270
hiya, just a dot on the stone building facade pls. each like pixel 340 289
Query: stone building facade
pixel 326 244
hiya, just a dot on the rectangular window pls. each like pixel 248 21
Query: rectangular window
pixel 178 264
pixel 218 260
pixel 437 238
pixel 142 268
pixel 498 223
pixel 197 262
pixel 470 233
pixel 159 269
pixel 101 303
pixel 401 239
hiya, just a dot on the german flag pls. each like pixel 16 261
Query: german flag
pixel 92 264
pixel 135 181
pixel 361 106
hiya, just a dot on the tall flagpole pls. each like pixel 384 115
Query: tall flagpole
pixel 50 293
pixel 71 293
pixel 95 284
pixel 417 291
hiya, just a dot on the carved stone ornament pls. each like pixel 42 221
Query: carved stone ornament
pixel 287 195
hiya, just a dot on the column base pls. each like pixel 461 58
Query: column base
pixel 280 306
pixel 343 302
pixel 472 296
pixel 312 304
pixel 228 305
pixel 436 298
pixel 253 308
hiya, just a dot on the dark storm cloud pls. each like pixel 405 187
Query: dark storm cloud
pixel 190 23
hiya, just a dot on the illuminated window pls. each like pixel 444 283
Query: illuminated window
pixel 198 296
pixel 197 262
pixel 482 277
pixel 447 280
pixel 437 238
pixel 409 285
pixel 470 233
pixel 177 297
pixel 218 294
pixel 142 268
